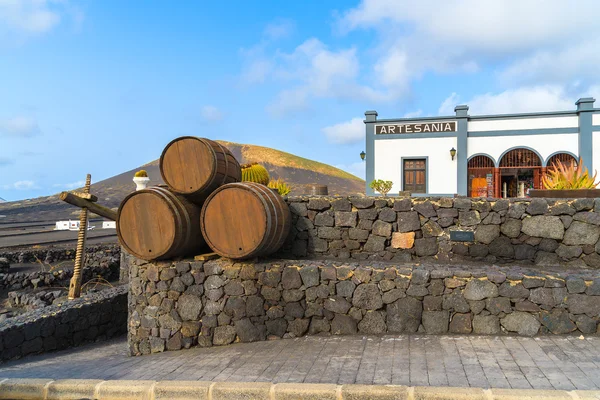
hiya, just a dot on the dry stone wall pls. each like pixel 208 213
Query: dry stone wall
pixel 100 261
pixel 541 231
pixel 175 305
pixel 92 317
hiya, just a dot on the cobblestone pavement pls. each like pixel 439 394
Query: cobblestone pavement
pixel 477 361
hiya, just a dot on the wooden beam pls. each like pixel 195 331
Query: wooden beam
pixel 86 196
pixel 93 207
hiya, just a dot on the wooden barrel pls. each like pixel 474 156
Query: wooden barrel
pixel 317 190
pixel 244 220
pixel 195 167
pixel 157 224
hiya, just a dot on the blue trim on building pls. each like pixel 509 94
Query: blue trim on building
pixel 524 132
pixel 462 116
pixel 426 173
pixel 513 132
pixel 483 154
pixel 595 128
pixel 545 162
pixel 480 117
pixel 585 108
pixel 370 119
pixel 527 115
pixel 520 147
pixel 444 118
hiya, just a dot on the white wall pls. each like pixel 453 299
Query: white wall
pixel 523 123
pixel 545 145
pixel 596 119
pixel 441 168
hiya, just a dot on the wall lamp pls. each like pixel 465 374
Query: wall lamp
pixel 452 153
pixel 362 155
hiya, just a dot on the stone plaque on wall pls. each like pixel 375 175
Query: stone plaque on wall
pixel 462 236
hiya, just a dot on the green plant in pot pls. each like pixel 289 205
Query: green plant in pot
pixel 141 179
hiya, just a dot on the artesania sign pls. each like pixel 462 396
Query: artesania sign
pixel 449 126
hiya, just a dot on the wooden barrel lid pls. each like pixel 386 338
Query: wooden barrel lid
pixel 146 224
pixel 187 164
pixel 234 221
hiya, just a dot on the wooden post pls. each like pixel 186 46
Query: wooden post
pixel 75 285
pixel 497 192
pixel 79 200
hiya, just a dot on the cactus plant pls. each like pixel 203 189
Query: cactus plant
pixel 282 187
pixel 141 174
pixel 255 173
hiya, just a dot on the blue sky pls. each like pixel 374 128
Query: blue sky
pixel 101 87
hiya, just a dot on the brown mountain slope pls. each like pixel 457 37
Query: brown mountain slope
pixel 296 171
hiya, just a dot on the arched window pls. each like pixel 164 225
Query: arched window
pixel 480 162
pixel 520 171
pixel 480 170
pixel 520 158
pixel 564 158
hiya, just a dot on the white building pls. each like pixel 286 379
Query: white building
pixel 69 226
pixel 109 225
pixel 487 155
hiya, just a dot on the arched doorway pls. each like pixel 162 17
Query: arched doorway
pixel 480 170
pixel 520 170
pixel 564 158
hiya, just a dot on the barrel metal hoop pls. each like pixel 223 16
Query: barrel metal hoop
pixel 160 192
pixel 264 190
pixel 250 186
pixel 214 172
pixel 226 174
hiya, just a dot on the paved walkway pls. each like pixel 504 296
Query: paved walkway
pixel 477 361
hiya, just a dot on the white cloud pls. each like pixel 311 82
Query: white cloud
pixel 21 185
pixel 448 104
pixel 19 126
pixel 211 114
pixel 257 71
pixel 509 25
pixel 30 17
pixel 526 99
pixel 579 61
pixel 352 131
pixel 313 71
pixel 279 29
pixel 73 185
pixel 553 44
pixel 357 169
pixel 413 114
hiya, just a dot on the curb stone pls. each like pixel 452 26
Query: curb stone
pixel 25 389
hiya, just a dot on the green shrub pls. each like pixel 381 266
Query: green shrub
pixel 381 186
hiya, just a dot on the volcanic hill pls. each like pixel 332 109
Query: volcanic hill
pixel 298 172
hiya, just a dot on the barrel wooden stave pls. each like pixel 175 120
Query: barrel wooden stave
pixel 195 167
pixel 245 220
pixel 157 224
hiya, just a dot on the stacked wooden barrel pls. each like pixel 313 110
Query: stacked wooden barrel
pixel 203 202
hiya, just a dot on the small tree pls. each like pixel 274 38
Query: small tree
pixel 381 186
